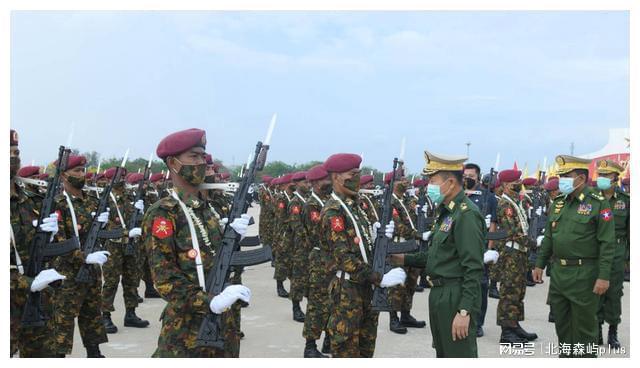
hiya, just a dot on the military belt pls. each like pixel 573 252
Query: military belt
pixel 442 281
pixel 575 261
pixel 516 246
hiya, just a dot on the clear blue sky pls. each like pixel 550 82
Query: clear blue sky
pixel 524 84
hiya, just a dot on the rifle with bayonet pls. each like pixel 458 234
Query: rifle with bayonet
pixel 384 246
pixel 129 250
pixel 423 223
pixel 95 230
pixel 42 250
pixel 229 256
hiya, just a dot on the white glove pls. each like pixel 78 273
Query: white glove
pixel 376 226
pixel 44 278
pixel 240 224
pixel 135 232
pixel 426 235
pixel 491 256
pixel 139 205
pixel 50 224
pixel 100 257
pixel 539 240
pixel 425 208
pixel 103 217
pixel 394 277
pixel 224 221
pixel 539 211
pixel 228 296
pixel 388 230
pixel 487 220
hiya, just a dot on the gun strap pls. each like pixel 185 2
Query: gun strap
pixel 194 241
pixel 405 211
pixel 287 195
pixel 15 250
pixel 213 210
pixel 355 226
pixel 522 218
pixel 73 213
pixel 373 208
pixel 113 198
pixel 317 198
pixel 299 196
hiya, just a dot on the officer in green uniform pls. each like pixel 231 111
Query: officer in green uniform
pixel 454 261
pixel 580 235
pixel 611 302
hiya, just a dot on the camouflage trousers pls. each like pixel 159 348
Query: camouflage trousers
pixel 610 308
pixel 513 285
pixel 31 342
pixel 180 326
pixel 299 273
pixel 120 268
pixel 352 324
pixel 82 301
pixel 494 269
pixel 318 301
pixel 282 262
pixel 400 297
pixel 144 270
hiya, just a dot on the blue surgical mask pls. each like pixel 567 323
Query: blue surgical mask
pixel 433 192
pixel 565 185
pixel 603 183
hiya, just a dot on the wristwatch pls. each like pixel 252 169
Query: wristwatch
pixel 463 312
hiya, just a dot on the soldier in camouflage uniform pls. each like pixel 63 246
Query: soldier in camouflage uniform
pixel 266 211
pixel 282 237
pixel 31 342
pixel 122 267
pixel 30 172
pixel 367 201
pixel 512 218
pixel 144 272
pixel 346 231
pixel 611 302
pixel 320 265
pixel 300 245
pixel 180 259
pixel 76 211
pixel 580 234
pixel 401 297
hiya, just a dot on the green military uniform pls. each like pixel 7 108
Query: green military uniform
pixel 300 248
pixel 454 265
pixel 168 242
pixel 610 309
pixel 580 234
pixel 512 219
pixel 352 323
pixel 320 270
pixel 121 267
pixel 31 342
pixel 74 299
pixel 281 239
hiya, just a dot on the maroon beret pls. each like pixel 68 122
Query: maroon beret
pixel 100 176
pixel 317 172
pixel 418 183
pixel 298 176
pixel 626 181
pixel 216 166
pixel 43 176
pixel 134 178
pixel 399 175
pixel 496 183
pixel 552 178
pixel 275 181
pixel 209 159
pixel 509 176
pixel 89 175
pixel 28 171
pixel 13 138
pixel 552 184
pixel 74 161
pixel 366 179
pixel 109 173
pixel 156 177
pixel 285 179
pixel 529 181
pixel 342 162
pixel 178 142
pixel 225 176
pixel 266 178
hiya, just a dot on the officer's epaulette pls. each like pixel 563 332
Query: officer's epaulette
pixel 597 196
pixel 167 202
pixel 623 194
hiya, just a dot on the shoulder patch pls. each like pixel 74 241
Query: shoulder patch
pixel 162 228
pixel 597 196
pixel 337 223
pixel 395 213
pixel 606 215
pixel 315 216
pixel 295 210
pixel 281 205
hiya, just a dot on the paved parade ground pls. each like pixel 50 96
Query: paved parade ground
pixel 270 331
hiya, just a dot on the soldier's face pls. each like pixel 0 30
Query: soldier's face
pixel 194 156
pixel 14 160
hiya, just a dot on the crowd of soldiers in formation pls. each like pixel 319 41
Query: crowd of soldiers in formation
pixel 321 226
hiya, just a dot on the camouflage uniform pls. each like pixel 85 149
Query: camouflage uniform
pixel 299 249
pixel 120 265
pixel 266 217
pixel 401 297
pixel 371 206
pixel 75 299
pixel 144 272
pixel 514 264
pixel 320 272
pixel 30 341
pixel 167 240
pixel 352 323
pixel 281 239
